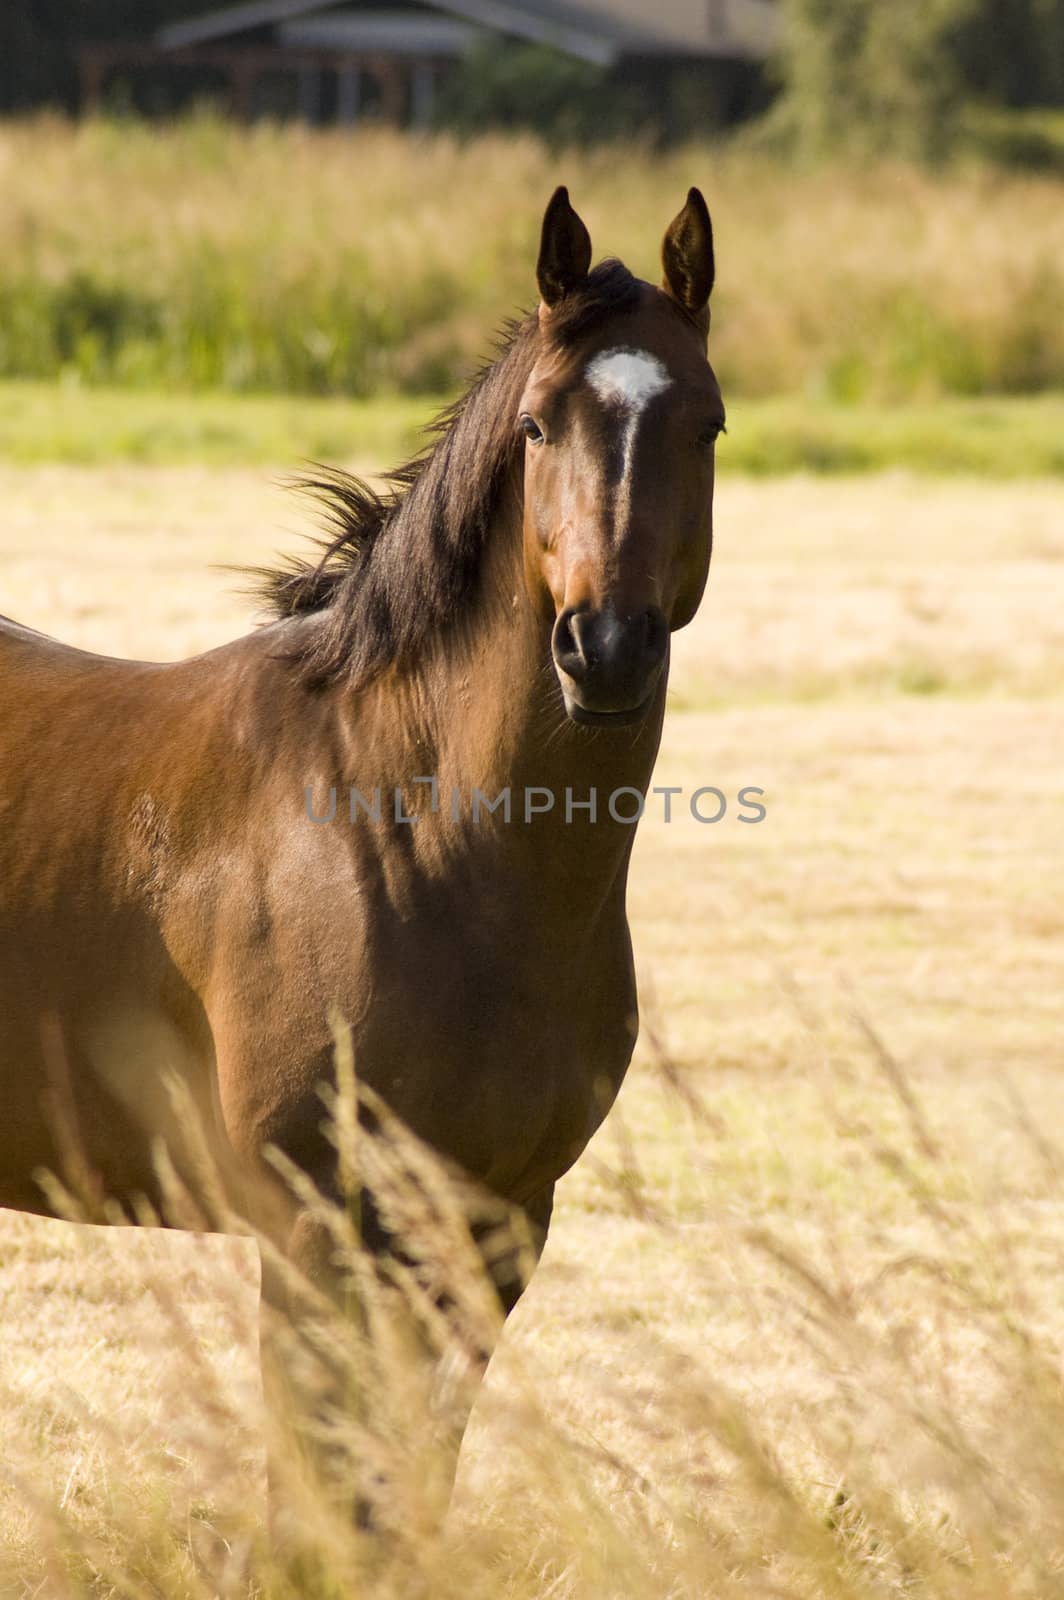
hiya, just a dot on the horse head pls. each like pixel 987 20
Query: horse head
pixel 620 418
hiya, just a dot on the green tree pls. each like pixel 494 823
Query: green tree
pixel 868 75
pixel 503 84
pixel 1012 51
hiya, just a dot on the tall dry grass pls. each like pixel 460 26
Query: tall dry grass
pixel 204 254
pixel 911 1447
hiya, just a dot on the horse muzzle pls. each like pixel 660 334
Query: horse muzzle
pixel 609 665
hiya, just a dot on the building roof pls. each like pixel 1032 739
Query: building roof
pixel 594 30
pixel 390 32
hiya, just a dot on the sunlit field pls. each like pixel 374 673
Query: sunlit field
pixel 799 1327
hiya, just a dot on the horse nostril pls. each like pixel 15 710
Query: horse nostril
pixel 593 644
pixel 567 644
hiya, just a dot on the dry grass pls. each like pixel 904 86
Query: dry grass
pixel 799 1328
pixel 282 258
pixel 819 591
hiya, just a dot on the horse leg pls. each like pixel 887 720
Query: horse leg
pixel 507 1264
pixel 351 1379
pixel 311 1330
pixel 510 1274
pixel 405 1394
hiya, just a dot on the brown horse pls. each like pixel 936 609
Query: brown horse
pixel 202 863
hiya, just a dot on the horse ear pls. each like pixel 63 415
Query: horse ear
pixel 564 250
pixel 687 256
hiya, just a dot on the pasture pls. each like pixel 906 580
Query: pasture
pixel 799 1325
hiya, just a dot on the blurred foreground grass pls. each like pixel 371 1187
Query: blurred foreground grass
pixel 80 424
pixel 799 1340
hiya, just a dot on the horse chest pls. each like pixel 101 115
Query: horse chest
pixel 502 1054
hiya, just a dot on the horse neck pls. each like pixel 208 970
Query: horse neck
pixel 486 709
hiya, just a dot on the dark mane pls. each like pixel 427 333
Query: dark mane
pixel 397 565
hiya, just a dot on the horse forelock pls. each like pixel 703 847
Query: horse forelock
pixel 395 566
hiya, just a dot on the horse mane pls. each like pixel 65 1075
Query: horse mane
pixel 396 566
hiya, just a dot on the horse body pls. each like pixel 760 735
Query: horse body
pixel 183 912
pixel 186 893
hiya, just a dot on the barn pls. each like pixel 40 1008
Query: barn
pixel 342 61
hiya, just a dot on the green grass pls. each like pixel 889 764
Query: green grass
pixel 994 438
pixel 69 422
pixel 1032 138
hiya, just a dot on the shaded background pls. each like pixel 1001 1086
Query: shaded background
pixel 839 60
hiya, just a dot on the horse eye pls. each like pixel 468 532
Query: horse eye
pixel 711 434
pixel 531 428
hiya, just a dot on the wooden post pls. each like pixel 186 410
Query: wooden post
pixel 348 91
pixel 390 79
pixel 92 67
pixel 310 91
pixel 422 92
pixel 243 76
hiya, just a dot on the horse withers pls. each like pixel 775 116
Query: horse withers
pixel 203 864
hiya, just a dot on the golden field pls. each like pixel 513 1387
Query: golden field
pixel 800 1323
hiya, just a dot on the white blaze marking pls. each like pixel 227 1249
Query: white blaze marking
pixel 628 379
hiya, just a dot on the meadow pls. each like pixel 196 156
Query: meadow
pixel 994 436
pixel 799 1327
pixel 798 1333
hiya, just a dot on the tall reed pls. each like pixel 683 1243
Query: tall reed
pixel 207 255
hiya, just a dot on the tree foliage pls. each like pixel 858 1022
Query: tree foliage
pixel 506 84
pixel 39 41
pixel 896 78
pixel 1011 52
pixel 860 74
